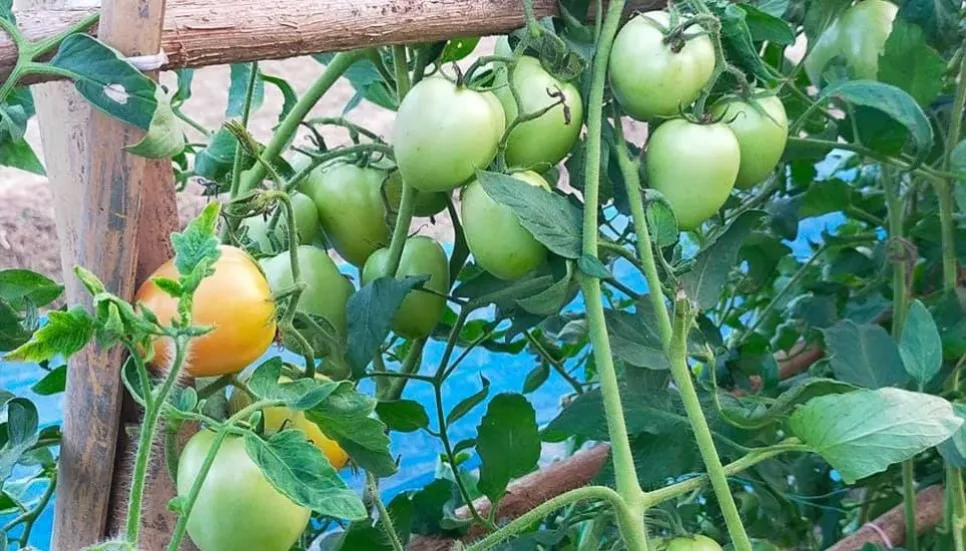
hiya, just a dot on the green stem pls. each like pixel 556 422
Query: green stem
pixel 410 366
pixel 401 67
pixel 45 45
pixel 677 353
pixel 280 139
pixel 145 440
pixel 630 520
pixel 407 203
pixel 948 231
pixel 750 460
pixel 900 286
pixel 587 493
pixel 27 518
pixel 645 250
pixel 384 518
pixel 189 502
pixel 909 504
pixel 236 167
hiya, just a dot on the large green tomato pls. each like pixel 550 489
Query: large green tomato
pixel 420 311
pixel 543 142
pixel 349 199
pixel 762 131
pixel 326 290
pixel 694 166
pixel 859 36
pixel 494 235
pixel 238 509
pixel 649 78
pixel 444 133
pixel 306 224
pixel 428 203
pixel 693 543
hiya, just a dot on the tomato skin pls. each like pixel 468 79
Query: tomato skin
pixel 543 142
pixel 693 543
pixel 349 201
pixel 307 224
pixel 761 137
pixel 236 300
pixel 420 312
pixel 694 166
pixel 859 36
pixel 237 508
pixel 428 203
pixel 445 133
pixel 326 289
pixel 649 79
pixel 500 245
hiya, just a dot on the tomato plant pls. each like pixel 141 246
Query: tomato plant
pixel 745 291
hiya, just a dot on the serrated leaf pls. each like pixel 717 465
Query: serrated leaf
pixel 714 263
pixel 467 404
pixel 298 469
pixel 750 413
pixel 289 99
pixel 403 415
pixel 662 223
pixel 551 218
pixel 866 431
pixel 920 345
pixel 65 333
pixel 12 332
pixel 239 76
pixel 196 248
pixel 892 101
pixel 369 315
pixel 300 394
pixel 508 443
pixel 550 300
pixel 864 355
pixel 908 62
pixel 107 80
pixel 634 338
pixel 345 417
pixel 737 41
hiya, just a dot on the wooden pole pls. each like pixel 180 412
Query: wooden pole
pixel 98 191
pixel 199 33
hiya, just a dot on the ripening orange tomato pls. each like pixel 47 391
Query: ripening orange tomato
pixel 236 300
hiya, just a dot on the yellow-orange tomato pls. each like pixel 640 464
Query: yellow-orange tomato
pixel 235 300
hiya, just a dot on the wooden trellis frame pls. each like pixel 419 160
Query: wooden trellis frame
pixel 115 210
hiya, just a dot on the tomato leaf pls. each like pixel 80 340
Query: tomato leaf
pixel 713 264
pixel 766 27
pixel 403 415
pixel 536 377
pixel 300 394
pixel 12 331
pixel 289 99
pixel 953 449
pixel 65 333
pixel 863 432
pixel 52 383
pixel 20 286
pixel 634 338
pixel 107 80
pixel 737 41
pixel 551 218
pixel 196 248
pixel 938 18
pixel 920 345
pixel 369 314
pixel 299 469
pixel 215 161
pixel 21 433
pixel 458 48
pixel 908 62
pixel 752 413
pixel 593 267
pixel 19 154
pixel 345 417
pixel 239 75
pixel 468 403
pixel 864 355
pixel 661 220
pixel 164 137
pixel 890 100
pixel 508 443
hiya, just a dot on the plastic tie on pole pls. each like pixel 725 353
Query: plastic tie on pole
pixel 146 63
pixel 881 533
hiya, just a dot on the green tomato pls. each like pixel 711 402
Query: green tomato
pixel 694 166
pixel 648 77
pixel 428 203
pixel 762 131
pixel 500 245
pixel 306 224
pixel 693 543
pixel 349 200
pixel 420 311
pixel 543 142
pixel 858 36
pixel 237 508
pixel 326 290
pixel 444 133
